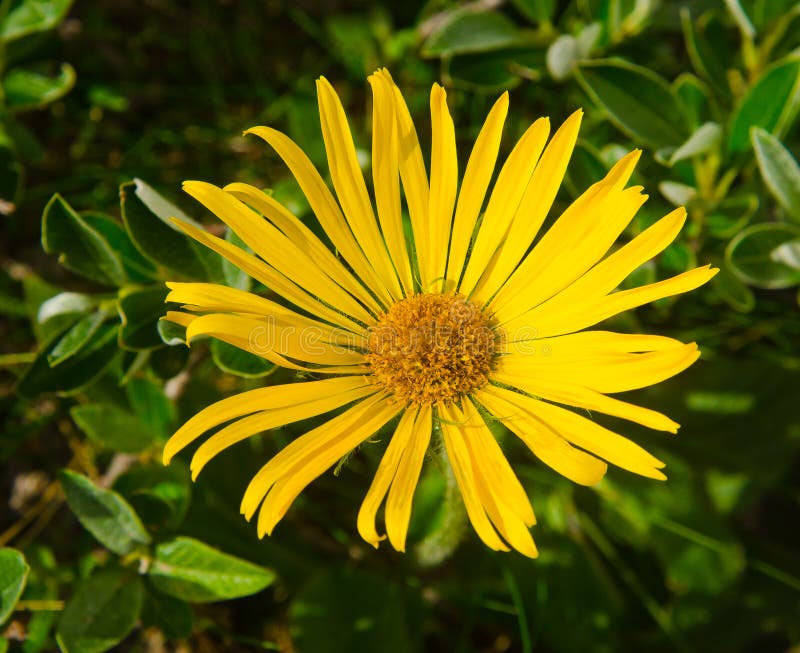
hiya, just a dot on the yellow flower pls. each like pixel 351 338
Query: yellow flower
pixel 466 319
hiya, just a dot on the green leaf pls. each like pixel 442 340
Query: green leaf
pixel 190 570
pixel 103 610
pixel 13 575
pixel 766 255
pixel 147 218
pixel 638 101
pixel 779 170
pixel 64 303
pixel 74 373
pixel 562 57
pixel 735 293
pixel 239 362
pixel 104 513
pixel 705 139
pixel 470 31
pixel 677 193
pixel 140 310
pixel 79 247
pixel 493 71
pixel 694 95
pixel 539 11
pixel 160 494
pixel 366 612
pixel 771 103
pixel 151 406
pixel 30 16
pixel 170 615
pixel 112 428
pixel 706 41
pixel 138 268
pixel 78 336
pixel 25 89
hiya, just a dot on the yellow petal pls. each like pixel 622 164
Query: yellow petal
pixel 350 187
pixel 575 394
pixel 494 465
pixel 216 298
pixel 506 196
pixel 460 461
pixel 604 372
pixel 473 188
pixel 401 493
pixel 269 276
pixel 324 206
pixel 551 321
pixel 444 185
pixel 413 175
pixel 386 178
pixel 275 248
pixel 610 272
pixel 252 401
pixel 387 469
pixel 303 238
pixel 270 419
pixel 532 209
pixel 266 336
pixel 588 435
pixel 586 234
pixel 545 443
pixel 312 454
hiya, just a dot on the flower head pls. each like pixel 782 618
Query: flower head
pixel 469 318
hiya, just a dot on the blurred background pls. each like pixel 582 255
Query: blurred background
pixel 105 549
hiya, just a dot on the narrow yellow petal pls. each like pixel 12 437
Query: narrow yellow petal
pixel 532 209
pixel 477 176
pixel 582 345
pixel 324 206
pixel 401 493
pixel 275 248
pixel 504 201
pixel 386 178
pixel 545 443
pixel 303 238
pixel 313 455
pixel 494 465
pixel 554 319
pixel 252 401
pixel 270 419
pixel 505 520
pixel 610 272
pixel 413 175
pixel 350 187
pixel 575 394
pixel 444 185
pixel 216 298
pixel 459 457
pixel 605 373
pixel 387 470
pixel 269 276
pixel 266 336
pixel 589 435
pixel 586 234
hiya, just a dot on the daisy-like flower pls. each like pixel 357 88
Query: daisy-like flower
pixel 466 318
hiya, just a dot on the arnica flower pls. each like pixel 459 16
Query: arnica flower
pixel 464 318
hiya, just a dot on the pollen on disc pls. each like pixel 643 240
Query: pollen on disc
pixel 432 347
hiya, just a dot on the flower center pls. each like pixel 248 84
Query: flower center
pixel 432 347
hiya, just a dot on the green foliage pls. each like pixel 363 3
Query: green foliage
pixel 93 382
pixel 101 612
pixel 187 569
pixel 13 574
pixel 104 513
